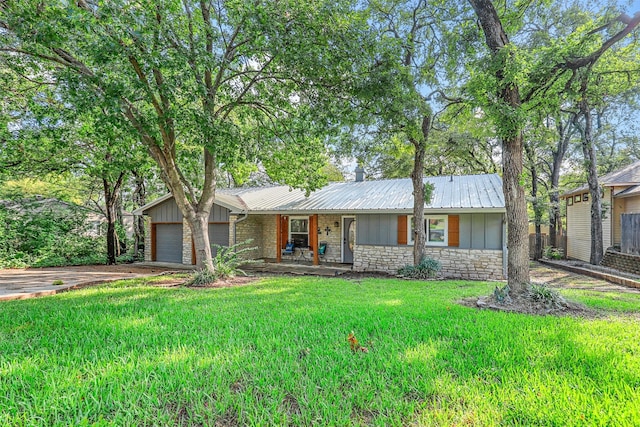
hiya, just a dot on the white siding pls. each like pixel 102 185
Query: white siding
pixel 579 229
pixel 607 222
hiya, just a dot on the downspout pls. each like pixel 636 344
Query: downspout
pixel 235 223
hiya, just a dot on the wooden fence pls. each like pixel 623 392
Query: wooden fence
pixel 561 242
pixel 630 243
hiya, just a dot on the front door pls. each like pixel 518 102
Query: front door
pixel 348 239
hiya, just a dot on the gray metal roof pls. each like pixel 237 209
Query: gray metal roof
pixel 451 193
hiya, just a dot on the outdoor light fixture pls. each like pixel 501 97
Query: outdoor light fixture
pixel 336 224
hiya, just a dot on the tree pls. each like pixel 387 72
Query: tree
pixel 508 112
pixel 226 83
pixel 398 90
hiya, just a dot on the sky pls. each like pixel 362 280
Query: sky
pixel 633 8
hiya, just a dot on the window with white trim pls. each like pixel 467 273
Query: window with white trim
pixel 299 231
pixel 435 227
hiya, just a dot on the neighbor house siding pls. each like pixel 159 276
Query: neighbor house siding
pixel 607 223
pixel 618 207
pixel 579 228
pixel 633 205
pixel 579 231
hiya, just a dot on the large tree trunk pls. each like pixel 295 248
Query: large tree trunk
pixel 139 200
pixel 199 225
pixel 597 249
pixel 417 179
pixel 517 218
pixel 514 194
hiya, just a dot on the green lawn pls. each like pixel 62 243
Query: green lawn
pixel 275 352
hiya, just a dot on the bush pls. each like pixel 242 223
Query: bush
pixel 426 269
pixel 226 264
pixel 543 294
pixel 33 234
pixel 553 253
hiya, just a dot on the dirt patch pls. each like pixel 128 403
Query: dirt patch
pixel 526 305
pixel 555 279
pixel 230 282
pixel 119 268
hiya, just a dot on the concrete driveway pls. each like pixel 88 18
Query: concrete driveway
pixel 35 282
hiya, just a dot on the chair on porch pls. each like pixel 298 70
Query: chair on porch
pixel 322 250
pixel 289 249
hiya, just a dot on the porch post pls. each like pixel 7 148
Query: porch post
pixel 314 230
pixel 278 238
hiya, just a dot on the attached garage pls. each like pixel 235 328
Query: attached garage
pixel 166 230
pixel 168 242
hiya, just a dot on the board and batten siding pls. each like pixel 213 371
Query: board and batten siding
pixel 168 211
pixel 376 229
pixel 480 231
pixel 579 228
pixel 476 231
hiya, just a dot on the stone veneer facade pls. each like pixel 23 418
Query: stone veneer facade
pixel 147 239
pixel 263 230
pixel 187 250
pixel 478 264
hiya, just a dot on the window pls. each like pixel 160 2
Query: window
pixel 435 228
pixel 577 199
pixel 585 197
pixel 569 201
pixel 299 232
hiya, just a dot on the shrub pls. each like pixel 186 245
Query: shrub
pixel 426 269
pixel 543 294
pixel 226 263
pixel 34 234
pixel 553 253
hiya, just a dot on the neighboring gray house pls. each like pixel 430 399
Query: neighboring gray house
pixel 365 223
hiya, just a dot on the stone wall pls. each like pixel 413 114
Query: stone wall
pixel 187 245
pixel 249 228
pixel 269 236
pixel 623 262
pixel 333 239
pixel 456 263
pixel 147 239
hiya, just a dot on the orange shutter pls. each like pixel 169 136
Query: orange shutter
pixel 402 229
pixel 454 230
pixel 284 231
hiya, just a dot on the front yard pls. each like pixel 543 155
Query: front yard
pixel 275 352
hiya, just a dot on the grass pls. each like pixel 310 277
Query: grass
pixel 275 353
